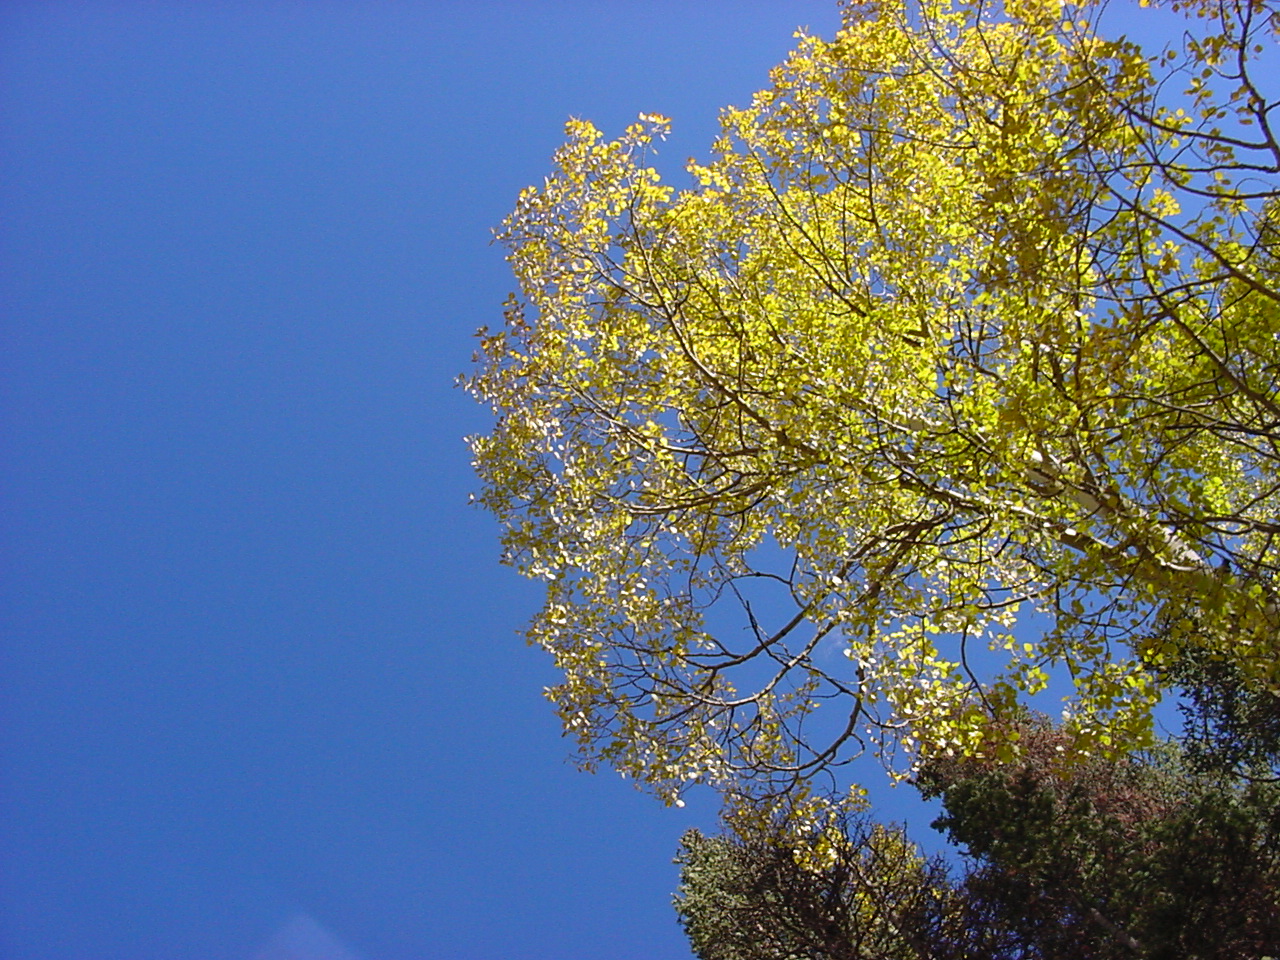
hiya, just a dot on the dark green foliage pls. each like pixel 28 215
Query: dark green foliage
pixel 1230 726
pixel 1134 858
pixel 872 898
pixel 1147 857
pixel 750 900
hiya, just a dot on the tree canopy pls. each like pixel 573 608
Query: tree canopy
pixel 955 372
pixel 868 894
pixel 1139 856
pixel 1136 856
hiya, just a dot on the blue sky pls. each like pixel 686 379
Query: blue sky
pixel 259 675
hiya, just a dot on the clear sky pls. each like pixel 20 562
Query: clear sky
pixel 259 680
